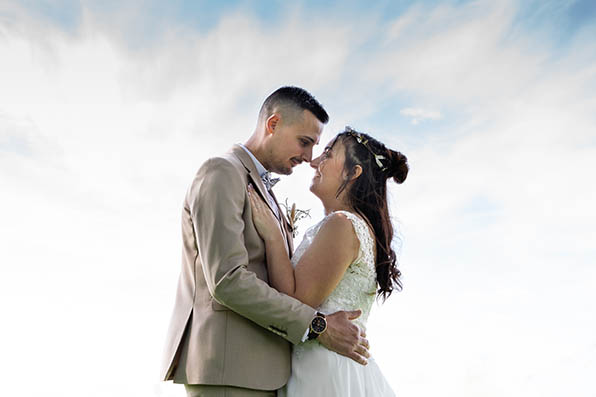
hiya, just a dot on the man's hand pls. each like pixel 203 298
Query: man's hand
pixel 344 337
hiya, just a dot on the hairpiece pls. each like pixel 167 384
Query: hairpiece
pixel 364 142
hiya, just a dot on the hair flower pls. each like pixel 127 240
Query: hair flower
pixel 364 142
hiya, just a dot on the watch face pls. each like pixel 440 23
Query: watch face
pixel 318 324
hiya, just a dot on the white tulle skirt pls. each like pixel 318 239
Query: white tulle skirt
pixel 317 371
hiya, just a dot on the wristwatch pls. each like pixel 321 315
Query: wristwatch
pixel 318 325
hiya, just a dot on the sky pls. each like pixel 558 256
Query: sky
pixel 107 109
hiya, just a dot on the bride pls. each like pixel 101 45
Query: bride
pixel 342 263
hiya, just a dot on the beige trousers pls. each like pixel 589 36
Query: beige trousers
pixel 226 391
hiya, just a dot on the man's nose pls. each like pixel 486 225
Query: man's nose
pixel 307 156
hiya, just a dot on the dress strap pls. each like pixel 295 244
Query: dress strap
pixel 362 232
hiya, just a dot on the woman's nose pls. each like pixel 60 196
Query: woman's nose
pixel 315 162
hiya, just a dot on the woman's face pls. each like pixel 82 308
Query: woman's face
pixel 329 171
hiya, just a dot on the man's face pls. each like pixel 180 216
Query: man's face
pixel 293 143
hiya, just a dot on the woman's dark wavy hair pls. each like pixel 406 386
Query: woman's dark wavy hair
pixel 367 194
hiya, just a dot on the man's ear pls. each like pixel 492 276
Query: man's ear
pixel 271 123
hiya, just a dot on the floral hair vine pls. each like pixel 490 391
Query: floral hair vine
pixel 364 142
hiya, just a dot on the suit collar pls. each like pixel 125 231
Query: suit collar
pixel 253 174
pixel 245 159
pixel 260 168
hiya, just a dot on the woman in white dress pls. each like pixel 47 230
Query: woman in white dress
pixel 343 262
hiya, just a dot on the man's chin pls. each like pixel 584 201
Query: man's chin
pixel 283 170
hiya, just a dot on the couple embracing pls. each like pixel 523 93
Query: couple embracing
pixel 253 316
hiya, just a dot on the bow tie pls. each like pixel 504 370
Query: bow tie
pixel 268 181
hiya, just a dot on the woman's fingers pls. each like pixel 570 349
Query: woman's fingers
pixel 263 218
pixel 254 199
pixel 256 202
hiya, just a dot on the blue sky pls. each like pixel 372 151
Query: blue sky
pixel 563 18
pixel 108 108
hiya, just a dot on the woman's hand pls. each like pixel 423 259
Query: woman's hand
pixel 265 222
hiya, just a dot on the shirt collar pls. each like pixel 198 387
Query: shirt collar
pixel 260 169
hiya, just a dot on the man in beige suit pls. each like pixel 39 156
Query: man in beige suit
pixel 230 330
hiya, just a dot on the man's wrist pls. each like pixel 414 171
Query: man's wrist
pixel 318 326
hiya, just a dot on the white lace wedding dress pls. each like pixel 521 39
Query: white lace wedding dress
pixel 317 371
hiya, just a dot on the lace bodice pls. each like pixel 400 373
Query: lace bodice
pixel 356 290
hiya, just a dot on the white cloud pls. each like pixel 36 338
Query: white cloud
pixel 418 114
pixel 458 54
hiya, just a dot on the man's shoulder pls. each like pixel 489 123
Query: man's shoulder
pixel 223 171
pixel 224 163
pixel 222 174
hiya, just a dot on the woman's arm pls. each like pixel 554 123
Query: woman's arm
pixel 279 267
pixel 320 268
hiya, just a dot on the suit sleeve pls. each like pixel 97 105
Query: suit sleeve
pixel 216 199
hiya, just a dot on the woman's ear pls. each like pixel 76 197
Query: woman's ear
pixel 357 172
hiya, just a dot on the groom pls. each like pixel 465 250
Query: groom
pixel 230 330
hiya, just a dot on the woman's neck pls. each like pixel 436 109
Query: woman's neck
pixel 334 204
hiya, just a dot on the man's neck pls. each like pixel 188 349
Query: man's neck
pixel 256 151
pixel 259 166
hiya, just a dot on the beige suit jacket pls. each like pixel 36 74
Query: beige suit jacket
pixel 229 327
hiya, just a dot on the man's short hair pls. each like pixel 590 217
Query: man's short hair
pixel 295 97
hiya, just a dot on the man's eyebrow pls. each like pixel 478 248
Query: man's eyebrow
pixel 309 139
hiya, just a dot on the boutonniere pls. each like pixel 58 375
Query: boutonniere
pixel 294 215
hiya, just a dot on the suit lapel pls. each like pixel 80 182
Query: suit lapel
pixel 253 174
